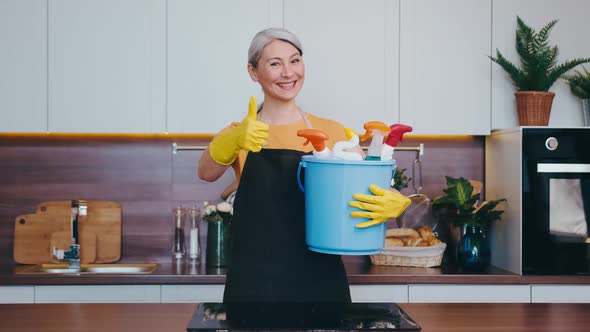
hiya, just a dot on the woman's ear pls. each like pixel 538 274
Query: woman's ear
pixel 252 72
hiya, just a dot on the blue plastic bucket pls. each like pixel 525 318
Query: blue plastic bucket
pixel 329 186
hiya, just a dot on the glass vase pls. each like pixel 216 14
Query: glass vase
pixel 217 244
pixel 474 252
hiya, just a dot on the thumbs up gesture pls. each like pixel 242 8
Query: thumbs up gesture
pixel 253 132
pixel 250 135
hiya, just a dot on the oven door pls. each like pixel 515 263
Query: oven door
pixel 556 219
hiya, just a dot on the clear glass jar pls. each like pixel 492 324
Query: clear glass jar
pixel 179 220
pixel 194 214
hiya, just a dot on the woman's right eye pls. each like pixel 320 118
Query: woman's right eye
pixel 274 64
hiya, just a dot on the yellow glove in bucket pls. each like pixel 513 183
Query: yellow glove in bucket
pixel 381 206
pixel 250 135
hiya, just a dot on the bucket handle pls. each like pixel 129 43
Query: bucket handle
pixel 299 176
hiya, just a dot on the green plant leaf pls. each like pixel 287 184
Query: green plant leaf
pixel 579 83
pixel 539 68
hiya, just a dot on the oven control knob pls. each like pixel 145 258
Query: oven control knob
pixel 551 143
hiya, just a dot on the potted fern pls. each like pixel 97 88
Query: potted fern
pixel 538 72
pixel 580 85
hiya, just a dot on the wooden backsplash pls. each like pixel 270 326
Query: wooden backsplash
pixel 148 180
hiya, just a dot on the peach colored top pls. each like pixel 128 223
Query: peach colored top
pixel 285 137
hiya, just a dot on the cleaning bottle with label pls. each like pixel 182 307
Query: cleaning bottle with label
pixel 395 136
pixel 377 130
pixel 317 139
pixel 353 141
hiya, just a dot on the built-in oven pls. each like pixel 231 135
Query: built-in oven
pixel 556 201
pixel 544 173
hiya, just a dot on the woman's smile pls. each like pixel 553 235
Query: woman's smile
pixel 287 85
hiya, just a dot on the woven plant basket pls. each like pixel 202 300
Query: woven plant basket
pixel 533 107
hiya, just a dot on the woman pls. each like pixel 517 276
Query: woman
pixel 272 274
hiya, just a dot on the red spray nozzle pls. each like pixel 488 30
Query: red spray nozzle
pixel 397 134
pixel 373 125
pixel 315 136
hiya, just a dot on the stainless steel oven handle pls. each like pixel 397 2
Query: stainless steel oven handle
pixel 563 168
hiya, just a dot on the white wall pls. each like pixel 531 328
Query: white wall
pixel 179 66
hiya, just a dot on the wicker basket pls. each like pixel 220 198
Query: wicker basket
pixel 410 256
pixel 533 107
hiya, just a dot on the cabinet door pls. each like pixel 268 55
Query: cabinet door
pixel 192 293
pixel 379 293
pixel 17 294
pixel 560 293
pixel 23 66
pixel 106 66
pixel 350 53
pixel 569 34
pixel 444 69
pixel 469 293
pixel 98 294
pixel 208 82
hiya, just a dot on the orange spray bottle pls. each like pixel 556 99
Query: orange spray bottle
pixel 318 140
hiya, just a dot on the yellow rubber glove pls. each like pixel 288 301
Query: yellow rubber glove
pixel 381 206
pixel 250 135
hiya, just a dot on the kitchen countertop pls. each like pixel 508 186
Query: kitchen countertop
pixel 115 317
pixel 359 269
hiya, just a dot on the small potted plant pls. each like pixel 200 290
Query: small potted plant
pixel 579 83
pixel 400 180
pixel 460 206
pixel 538 72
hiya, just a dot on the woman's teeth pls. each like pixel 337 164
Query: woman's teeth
pixel 286 85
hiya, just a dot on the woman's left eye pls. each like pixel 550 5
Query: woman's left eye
pixel 295 60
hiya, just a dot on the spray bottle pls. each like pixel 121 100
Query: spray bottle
pixel 353 140
pixel 317 139
pixel 377 130
pixel 395 136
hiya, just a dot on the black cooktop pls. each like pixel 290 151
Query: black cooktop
pixel 351 317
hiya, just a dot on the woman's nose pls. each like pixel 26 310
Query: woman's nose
pixel 287 71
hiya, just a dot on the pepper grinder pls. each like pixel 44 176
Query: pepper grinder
pixel 179 217
pixel 194 244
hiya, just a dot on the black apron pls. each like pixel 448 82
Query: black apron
pixel 272 272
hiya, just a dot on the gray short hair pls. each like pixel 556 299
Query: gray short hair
pixel 264 38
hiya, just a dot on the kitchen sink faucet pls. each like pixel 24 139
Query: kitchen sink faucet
pixel 79 208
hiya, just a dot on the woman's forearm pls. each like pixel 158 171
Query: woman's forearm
pixel 209 170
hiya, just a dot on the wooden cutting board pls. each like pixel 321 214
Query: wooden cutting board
pixel 100 232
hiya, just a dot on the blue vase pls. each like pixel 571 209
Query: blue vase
pixel 474 249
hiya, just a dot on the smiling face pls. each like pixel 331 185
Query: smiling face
pixel 280 71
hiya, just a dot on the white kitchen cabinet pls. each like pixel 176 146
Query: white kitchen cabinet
pixel 379 293
pixel 208 82
pixel 469 293
pixel 17 294
pixel 192 293
pixel 560 293
pixel 569 34
pixel 351 55
pixel 107 66
pixel 98 294
pixel 444 70
pixel 23 66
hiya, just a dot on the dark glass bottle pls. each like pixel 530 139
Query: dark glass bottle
pixel 474 249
